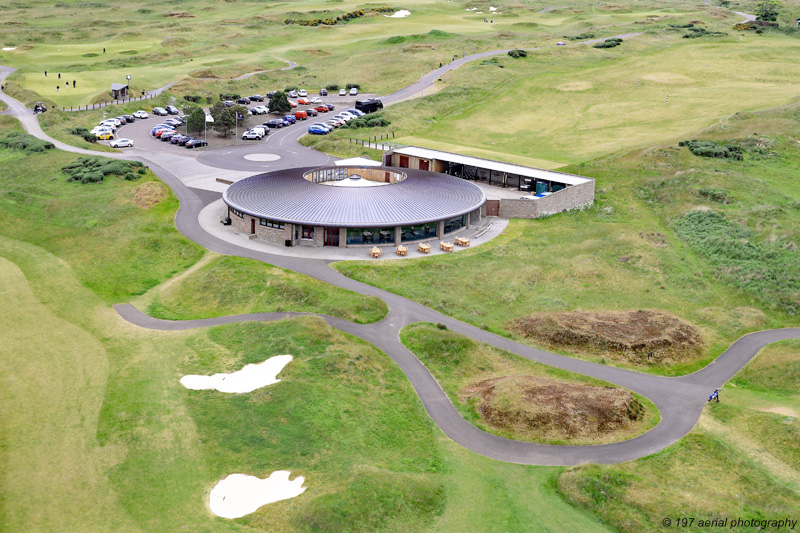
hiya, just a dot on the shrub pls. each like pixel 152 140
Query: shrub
pixel 145 11
pixel 24 142
pixel 95 169
pixel 196 98
pixel 229 96
pixel 332 87
pixel 353 86
pixel 83 132
pixel 517 53
pixel 581 37
pixel 701 32
pixel 606 44
pixel 89 54
pixel 714 149
pixel 371 121
pixel 290 89
pixel 719 196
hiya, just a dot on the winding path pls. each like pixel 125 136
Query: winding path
pixel 680 399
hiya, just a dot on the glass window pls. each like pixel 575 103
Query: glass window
pixel 237 213
pixel 307 232
pixel 271 223
pixel 370 235
pixel 419 232
pixel 452 224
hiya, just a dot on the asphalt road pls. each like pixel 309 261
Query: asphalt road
pixel 680 400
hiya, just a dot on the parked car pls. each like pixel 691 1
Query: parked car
pixel 229 103
pixel 323 92
pixel 274 123
pixel 196 143
pixel 161 131
pixel 160 111
pixel 312 112
pixel 103 136
pixel 369 106
pixel 129 118
pixel 330 107
pixel 293 104
pixel 324 126
pixel 342 92
pixel 263 129
pixel 303 101
pixel 302 92
pixel 318 130
pixel 174 121
pixel 291 118
pixel 271 94
pixel 172 110
pixel 321 109
pixel 347 115
pixel 176 139
pixel 109 124
pixel 100 129
pixel 353 91
pixel 113 121
pixel 316 100
pixel 561 43
pixel 260 110
pixel 292 94
pixel 39 108
pixel 141 114
pixel 251 135
pixel 185 139
pixel 167 135
pixel 257 98
pixel 121 143
pixel 356 112
pixel 332 124
pixel 243 100
pixel 344 117
pixel 301 115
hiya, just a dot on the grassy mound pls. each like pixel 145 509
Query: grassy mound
pixel 513 397
pixel 621 335
pixel 232 285
pixel 553 409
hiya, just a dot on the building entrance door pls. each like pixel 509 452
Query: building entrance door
pixel 492 208
pixel 403 161
pixel 331 236
pixel 424 164
pixel 253 226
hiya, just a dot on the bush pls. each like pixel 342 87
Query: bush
pixel 197 98
pixel 24 142
pixel 332 87
pixel 719 196
pixel 95 169
pixel 714 149
pixel 608 43
pixel 701 32
pixel 353 86
pixel 229 96
pixel 370 121
pixel 581 37
pixel 83 132
pixel 517 53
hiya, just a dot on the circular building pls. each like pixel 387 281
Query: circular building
pixel 351 206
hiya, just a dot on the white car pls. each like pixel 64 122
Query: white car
pixel 356 112
pixel 261 129
pixel 141 114
pixel 97 130
pixel 324 126
pixel 561 43
pixel 346 118
pixel 347 115
pixel 261 109
pixel 121 143
pixel 354 91
pixel 342 92
pixel 302 93
pixel 252 135
pixel 292 94
pixel 316 100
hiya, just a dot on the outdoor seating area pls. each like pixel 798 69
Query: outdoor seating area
pixel 402 250
pixel 424 248
pixel 462 241
pixel 375 252
pixel 446 246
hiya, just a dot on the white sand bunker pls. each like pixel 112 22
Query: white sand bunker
pixel 667 77
pixel 239 494
pixel 248 379
pixel 400 14
pixel 492 9
pixel 575 86
pixel 9 48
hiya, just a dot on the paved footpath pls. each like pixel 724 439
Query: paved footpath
pixel 680 400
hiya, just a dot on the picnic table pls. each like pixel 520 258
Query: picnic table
pixel 375 252
pixel 446 246
pixel 462 241
pixel 402 250
pixel 424 248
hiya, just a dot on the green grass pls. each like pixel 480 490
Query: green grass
pixel 458 362
pixel 623 253
pixel 742 460
pixel 233 285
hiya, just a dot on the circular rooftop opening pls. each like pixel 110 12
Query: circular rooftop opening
pixel 354 176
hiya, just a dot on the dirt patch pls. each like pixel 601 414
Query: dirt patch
pixel 179 14
pixel 149 194
pixel 655 238
pixel 417 47
pixel 575 86
pixel 317 52
pixel 628 336
pixel 540 408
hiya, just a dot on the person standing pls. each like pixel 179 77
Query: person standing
pixel 104 50
pixel 73 83
pixel 59 75
pixel 45 73
pixel 58 87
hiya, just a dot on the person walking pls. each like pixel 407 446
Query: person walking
pixel 59 75
pixel 104 50
pixel 58 88
pixel 73 83
pixel 45 73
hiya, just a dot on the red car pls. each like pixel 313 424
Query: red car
pixel 303 101
pixel 321 109
pixel 292 104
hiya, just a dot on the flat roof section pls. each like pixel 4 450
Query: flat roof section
pixel 508 168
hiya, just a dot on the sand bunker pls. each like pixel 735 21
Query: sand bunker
pixel 239 494
pixel 492 9
pixel 537 408
pixel 248 379
pixel 622 335
pixel 9 48
pixel 575 86
pixel 667 77
pixel 400 14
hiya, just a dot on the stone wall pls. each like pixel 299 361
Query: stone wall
pixel 563 200
pixel 264 233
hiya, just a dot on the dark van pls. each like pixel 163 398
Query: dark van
pixel 369 106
